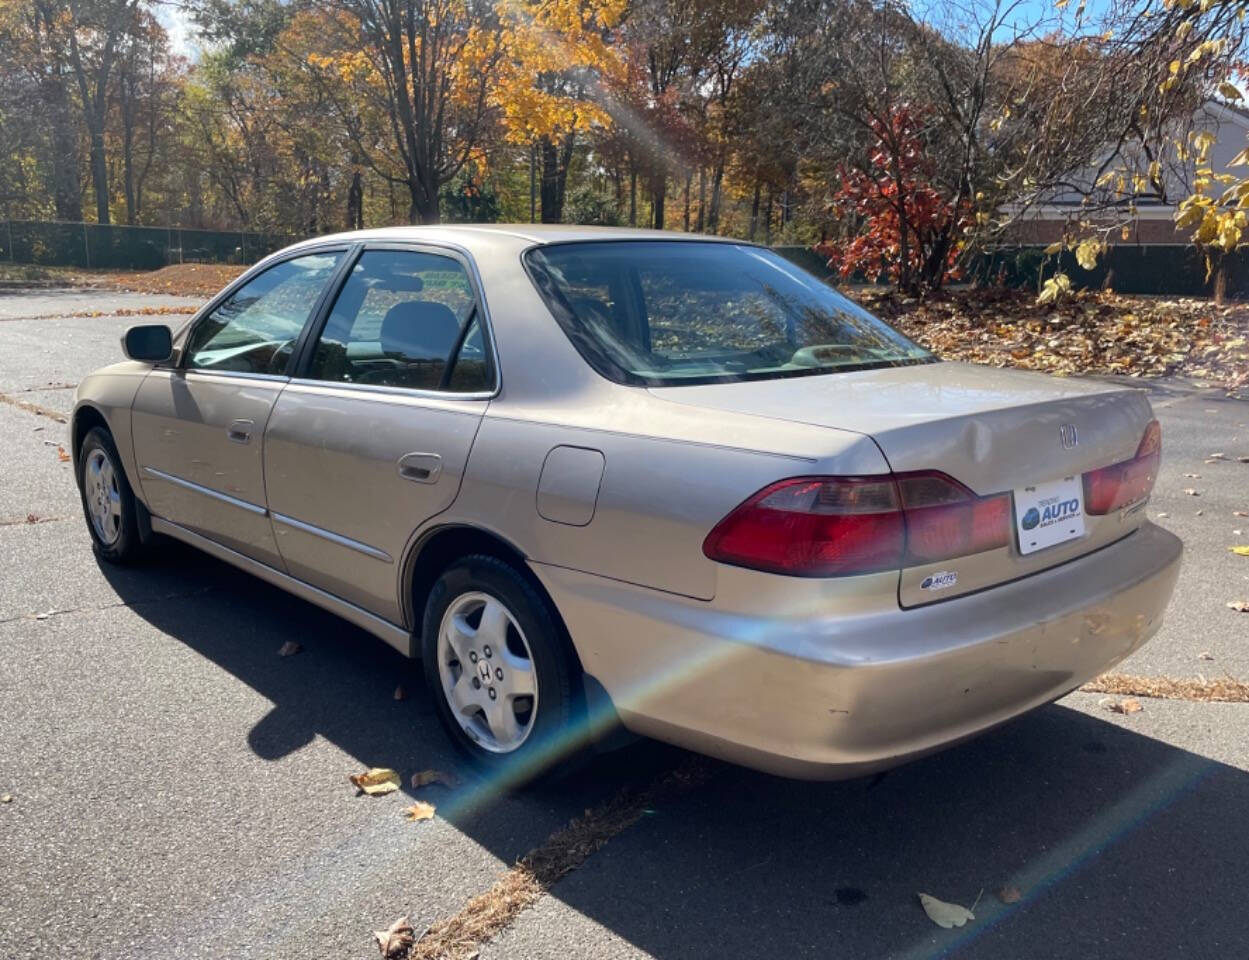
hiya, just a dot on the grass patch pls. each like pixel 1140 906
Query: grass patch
pixel 34 275
pixel 1219 690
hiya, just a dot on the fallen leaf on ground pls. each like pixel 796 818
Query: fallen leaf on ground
pixel 944 914
pixel 1240 513
pixel 376 781
pixel 1129 705
pixel 420 811
pixel 61 454
pixel 1217 456
pixel 1010 895
pixel 1240 606
pixel 1205 656
pixel 1191 492
pixel 1199 513
pixel 395 940
pixel 1193 476
pixel 1240 550
pixel 7 798
pixel 400 694
pixel 1163 516
pixel 426 777
pixel 289 649
pixel 1242 459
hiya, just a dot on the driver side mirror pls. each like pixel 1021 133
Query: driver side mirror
pixel 149 342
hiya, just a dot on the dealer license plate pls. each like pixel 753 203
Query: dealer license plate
pixel 1049 513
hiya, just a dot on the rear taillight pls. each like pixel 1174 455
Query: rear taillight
pixel 945 520
pixel 814 527
pixel 837 526
pixel 1128 482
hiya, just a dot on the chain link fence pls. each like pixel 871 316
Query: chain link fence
pixel 90 245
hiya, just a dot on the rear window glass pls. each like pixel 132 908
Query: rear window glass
pixel 659 313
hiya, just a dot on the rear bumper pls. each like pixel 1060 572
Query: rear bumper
pixel 866 691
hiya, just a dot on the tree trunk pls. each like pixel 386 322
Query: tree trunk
pixel 66 196
pixel 422 208
pixel 717 196
pixel 702 199
pixel 659 191
pixel 1220 282
pixel 754 212
pixel 555 161
pixel 633 196
pixel 99 176
pixel 689 177
pixel 767 219
pixel 127 164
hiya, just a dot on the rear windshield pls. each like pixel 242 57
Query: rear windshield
pixel 659 313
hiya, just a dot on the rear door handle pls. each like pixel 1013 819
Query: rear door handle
pixel 420 467
pixel 240 431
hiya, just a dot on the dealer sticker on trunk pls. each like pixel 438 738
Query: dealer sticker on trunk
pixel 1049 513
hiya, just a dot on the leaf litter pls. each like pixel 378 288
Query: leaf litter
pixel 425 777
pixel 1089 332
pixel 396 940
pixel 1221 689
pixel 376 781
pixel 947 915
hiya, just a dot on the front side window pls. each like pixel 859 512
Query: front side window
pixel 661 313
pixel 255 329
pixel 404 319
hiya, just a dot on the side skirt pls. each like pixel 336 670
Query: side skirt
pixel 396 636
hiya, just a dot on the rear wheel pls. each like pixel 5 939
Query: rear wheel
pixel 107 500
pixel 500 669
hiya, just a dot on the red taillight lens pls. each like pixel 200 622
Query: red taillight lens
pixel 837 526
pixel 1125 483
pixel 814 527
pixel 945 520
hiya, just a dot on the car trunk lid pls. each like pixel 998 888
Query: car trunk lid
pixel 995 431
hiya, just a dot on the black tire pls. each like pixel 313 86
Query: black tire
pixel 127 546
pixel 557 736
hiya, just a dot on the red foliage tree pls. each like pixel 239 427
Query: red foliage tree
pixel 909 228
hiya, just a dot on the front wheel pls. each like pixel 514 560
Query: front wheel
pixel 107 500
pixel 500 669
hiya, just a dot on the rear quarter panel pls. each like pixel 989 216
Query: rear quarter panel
pixel 661 491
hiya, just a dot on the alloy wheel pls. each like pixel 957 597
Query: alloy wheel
pixel 103 496
pixel 487 672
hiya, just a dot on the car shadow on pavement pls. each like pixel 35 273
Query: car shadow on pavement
pixel 341 687
pixel 1122 845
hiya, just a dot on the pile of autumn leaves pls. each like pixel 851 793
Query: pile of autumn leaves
pixel 1088 332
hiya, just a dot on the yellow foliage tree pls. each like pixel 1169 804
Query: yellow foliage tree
pixel 558 55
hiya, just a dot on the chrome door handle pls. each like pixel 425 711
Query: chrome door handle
pixel 420 467
pixel 240 431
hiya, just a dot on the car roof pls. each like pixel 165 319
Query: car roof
pixel 476 235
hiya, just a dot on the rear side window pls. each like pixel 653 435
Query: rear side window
pixel 255 329
pixel 660 313
pixel 404 319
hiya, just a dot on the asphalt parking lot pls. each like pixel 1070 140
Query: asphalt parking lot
pixel 177 789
